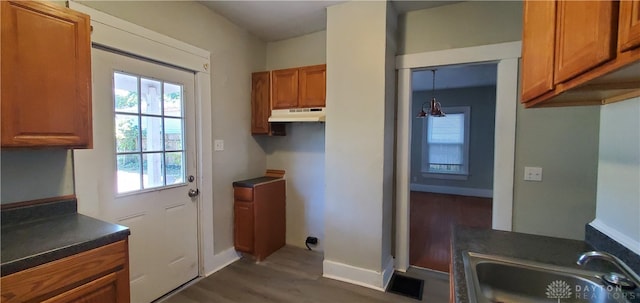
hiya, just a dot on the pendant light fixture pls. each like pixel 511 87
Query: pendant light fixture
pixel 434 106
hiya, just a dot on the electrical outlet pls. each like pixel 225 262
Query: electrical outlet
pixel 312 240
pixel 218 145
pixel 532 173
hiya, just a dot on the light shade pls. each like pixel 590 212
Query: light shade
pixel 434 106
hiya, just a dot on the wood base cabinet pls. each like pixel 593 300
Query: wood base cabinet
pixel 260 218
pixel 46 76
pixel 100 275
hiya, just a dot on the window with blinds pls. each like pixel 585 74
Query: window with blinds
pixel 446 143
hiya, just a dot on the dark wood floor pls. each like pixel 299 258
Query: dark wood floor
pixel 431 221
pixel 295 275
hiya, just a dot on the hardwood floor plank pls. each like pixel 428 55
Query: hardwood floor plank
pixel 432 217
pixel 291 275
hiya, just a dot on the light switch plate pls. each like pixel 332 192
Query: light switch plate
pixel 532 173
pixel 218 145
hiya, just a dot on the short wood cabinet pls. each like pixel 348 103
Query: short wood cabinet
pixel 98 275
pixel 46 76
pixel 243 224
pixel 301 87
pixel 572 52
pixel 260 217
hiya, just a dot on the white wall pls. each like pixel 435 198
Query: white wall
pixel 235 54
pixel 470 23
pixel 564 142
pixel 299 51
pixel 356 157
pixel 618 199
pixel 30 174
pixel 388 171
pixel 301 152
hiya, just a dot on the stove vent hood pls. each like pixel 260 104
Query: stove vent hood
pixel 315 114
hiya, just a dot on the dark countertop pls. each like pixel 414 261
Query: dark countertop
pixel 556 251
pixel 32 241
pixel 253 182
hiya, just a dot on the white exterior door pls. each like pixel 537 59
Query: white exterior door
pixel 138 172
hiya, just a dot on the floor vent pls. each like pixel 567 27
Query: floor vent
pixel 406 286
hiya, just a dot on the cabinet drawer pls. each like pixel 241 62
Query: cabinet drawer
pixel 243 193
pixel 54 278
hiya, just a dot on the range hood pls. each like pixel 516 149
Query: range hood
pixel 314 114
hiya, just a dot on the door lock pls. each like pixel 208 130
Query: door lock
pixel 194 193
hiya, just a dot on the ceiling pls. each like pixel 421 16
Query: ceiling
pixel 457 76
pixel 279 20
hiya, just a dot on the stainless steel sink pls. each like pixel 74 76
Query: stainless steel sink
pixel 499 279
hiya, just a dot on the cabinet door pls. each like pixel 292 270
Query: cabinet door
pixel 104 289
pixel 91 276
pixel 312 86
pixel 629 25
pixel 46 70
pixel 538 48
pixel 260 109
pixel 585 36
pixel 243 226
pixel 284 88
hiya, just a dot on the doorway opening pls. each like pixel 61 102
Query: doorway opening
pixel 505 56
pixel 451 158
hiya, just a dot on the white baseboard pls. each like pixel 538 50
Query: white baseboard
pixel 624 240
pixel 222 260
pixel 359 276
pixel 451 190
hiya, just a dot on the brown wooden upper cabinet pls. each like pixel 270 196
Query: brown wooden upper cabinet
pixel 260 110
pixel 629 32
pixel 46 76
pixel 580 52
pixel 298 87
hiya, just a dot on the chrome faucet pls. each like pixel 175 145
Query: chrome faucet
pixel 630 279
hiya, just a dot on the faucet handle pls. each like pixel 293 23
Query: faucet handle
pixel 628 275
pixel 617 279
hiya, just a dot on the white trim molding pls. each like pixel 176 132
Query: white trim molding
pixel 120 35
pixel 617 236
pixel 222 260
pixel 131 38
pixel 359 276
pixel 484 53
pixel 506 56
pixel 452 190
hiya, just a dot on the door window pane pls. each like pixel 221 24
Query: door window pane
pixel 150 98
pixel 175 167
pixel 172 100
pixel 127 133
pixel 125 93
pixel 128 173
pixel 149 132
pixel 173 134
pixel 152 170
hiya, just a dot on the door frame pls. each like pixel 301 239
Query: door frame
pixel 127 37
pixel 506 55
